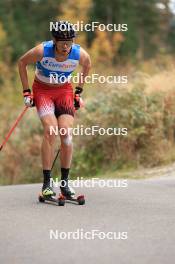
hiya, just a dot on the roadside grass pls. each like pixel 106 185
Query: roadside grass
pixel 142 173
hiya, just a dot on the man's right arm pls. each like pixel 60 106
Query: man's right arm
pixel 32 56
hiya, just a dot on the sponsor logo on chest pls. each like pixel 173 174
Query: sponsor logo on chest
pixel 55 65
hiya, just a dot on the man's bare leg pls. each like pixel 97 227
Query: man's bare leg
pixel 65 123
pixel 47 151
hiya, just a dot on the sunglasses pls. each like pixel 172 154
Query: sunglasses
pixel 64 42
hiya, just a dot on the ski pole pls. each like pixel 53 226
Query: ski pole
pixel 55 158
pixel 13 127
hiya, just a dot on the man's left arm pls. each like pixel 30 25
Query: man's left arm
pixel 85 63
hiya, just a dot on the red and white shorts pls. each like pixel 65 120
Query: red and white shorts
pixel 55 100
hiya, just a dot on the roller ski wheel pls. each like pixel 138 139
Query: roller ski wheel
pixel 60 200
pixel 79 199
pixel 41 199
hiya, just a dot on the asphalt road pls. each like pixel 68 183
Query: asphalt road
pixel 145 210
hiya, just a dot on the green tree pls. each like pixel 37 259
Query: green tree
pixel 143 19
pixel 27 22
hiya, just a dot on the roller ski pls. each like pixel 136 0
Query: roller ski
pixel 49 195
pixel 69 194
pixel 60 200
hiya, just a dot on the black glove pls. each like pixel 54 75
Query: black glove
pixel 77 98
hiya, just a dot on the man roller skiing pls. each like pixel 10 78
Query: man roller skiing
pixel 55 102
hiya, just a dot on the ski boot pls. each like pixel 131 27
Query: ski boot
pixel 47 190
pixel 49 195
pixel 69 193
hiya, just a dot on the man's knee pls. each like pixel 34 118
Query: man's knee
pixel 66 136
